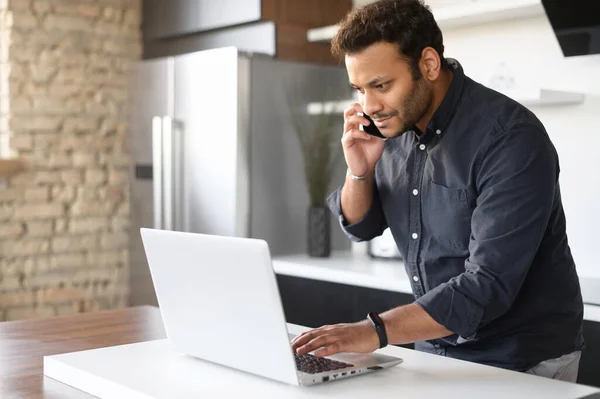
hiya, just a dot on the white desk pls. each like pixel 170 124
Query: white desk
pixel 151 370
pixel 345 267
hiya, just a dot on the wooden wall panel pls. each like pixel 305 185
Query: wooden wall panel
pixel 294 17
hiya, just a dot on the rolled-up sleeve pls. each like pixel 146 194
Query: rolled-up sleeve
pixel 517 182
pixel 370 226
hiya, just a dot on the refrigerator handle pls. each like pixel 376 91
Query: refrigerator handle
pixel 157 171
pixel 167 154
pixel 178 175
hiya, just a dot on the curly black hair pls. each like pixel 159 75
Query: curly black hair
pixel 407 23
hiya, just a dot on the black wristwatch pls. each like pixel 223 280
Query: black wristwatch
pixel 379 328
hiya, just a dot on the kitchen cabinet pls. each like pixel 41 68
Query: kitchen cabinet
pixel 166 19
pixel 451 14
pixel 273 27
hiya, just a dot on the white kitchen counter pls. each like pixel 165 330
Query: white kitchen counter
pixel 152 370
pixel 346 267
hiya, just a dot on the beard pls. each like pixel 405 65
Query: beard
pixel 415 106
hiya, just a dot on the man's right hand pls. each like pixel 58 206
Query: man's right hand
pixel 361 150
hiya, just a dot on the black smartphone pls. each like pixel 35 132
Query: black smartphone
pixel 372 129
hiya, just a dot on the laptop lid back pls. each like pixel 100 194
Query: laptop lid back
pixel 220 302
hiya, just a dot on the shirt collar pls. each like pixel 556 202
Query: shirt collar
pixel 444 112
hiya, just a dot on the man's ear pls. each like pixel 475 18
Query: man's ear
pixel 430 63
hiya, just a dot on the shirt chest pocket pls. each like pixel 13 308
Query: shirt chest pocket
pixel 446 215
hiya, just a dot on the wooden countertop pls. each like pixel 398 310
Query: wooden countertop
pixel 23 344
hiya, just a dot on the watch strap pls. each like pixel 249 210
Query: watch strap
pixel 379 327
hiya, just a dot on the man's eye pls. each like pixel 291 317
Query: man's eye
pixel 381 86
pixel 358 89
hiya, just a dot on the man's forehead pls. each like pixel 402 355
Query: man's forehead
pixel 377 50
pixel 370 73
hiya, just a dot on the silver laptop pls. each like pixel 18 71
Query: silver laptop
pixel 219 301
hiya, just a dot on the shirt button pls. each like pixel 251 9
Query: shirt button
pixel 438 131
pixel 415 192
pixel 415 278
pixel 422 147
pixel 414 235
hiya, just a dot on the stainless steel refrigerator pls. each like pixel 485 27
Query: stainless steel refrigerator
pixel 214 151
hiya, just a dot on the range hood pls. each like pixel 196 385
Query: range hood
pixel 576 24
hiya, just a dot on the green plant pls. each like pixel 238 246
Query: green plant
pixel 318 136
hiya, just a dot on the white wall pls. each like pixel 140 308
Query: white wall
pixel 531 53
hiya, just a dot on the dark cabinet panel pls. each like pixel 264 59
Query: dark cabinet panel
pixel 167 19
pixel 589 367
pixel 316 303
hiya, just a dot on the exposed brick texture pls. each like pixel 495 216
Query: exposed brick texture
pixel 65 71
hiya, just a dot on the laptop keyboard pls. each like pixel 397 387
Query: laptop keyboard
pixel 312 364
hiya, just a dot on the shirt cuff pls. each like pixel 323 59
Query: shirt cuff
pixel 453 310
pixel 365 229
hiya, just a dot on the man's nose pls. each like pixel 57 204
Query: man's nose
pixel 371 104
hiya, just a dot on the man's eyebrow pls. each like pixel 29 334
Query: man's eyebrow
pixel 372 82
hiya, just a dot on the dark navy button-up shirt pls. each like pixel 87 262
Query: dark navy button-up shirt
pixel 474 206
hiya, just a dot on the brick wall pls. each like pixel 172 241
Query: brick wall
pixel 64 103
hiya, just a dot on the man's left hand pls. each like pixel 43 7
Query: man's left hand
pixel 356 337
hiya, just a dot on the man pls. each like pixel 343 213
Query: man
pixel 467 182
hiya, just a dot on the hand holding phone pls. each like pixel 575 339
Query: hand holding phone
pixel 362 149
